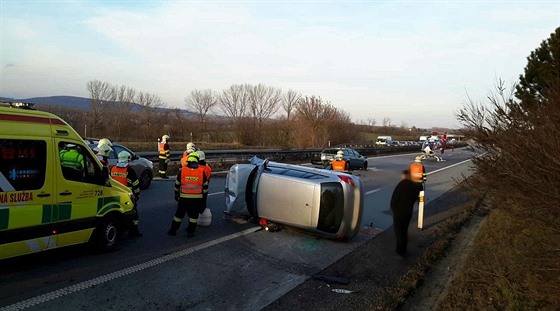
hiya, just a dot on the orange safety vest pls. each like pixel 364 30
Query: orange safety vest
pixel 184 158
pixel 416 172
pixel 120 174
pixel 339 165
pixel 162 151
pixel 192 181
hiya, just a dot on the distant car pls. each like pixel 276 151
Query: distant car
pixel 383 140
pixel 142 166
pixel 326 203
pixel 353 159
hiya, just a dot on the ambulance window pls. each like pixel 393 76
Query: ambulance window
pixel 23 164
pixel 77 164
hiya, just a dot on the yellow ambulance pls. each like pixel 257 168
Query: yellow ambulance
pixel 53 190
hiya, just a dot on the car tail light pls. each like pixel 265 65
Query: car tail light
pixel 347 179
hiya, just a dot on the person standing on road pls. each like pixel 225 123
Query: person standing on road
pixel 189 194
pixel 208 171
pixel 164 154
pixel 403 199
pixel 339 164
pixel 190 148
pixel 123 173
pixel 103 152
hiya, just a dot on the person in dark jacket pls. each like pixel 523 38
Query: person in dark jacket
pixel 402 204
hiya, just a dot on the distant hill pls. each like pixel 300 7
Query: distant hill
pixel 75 102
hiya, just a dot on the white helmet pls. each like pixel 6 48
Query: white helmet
pixel 124 157
pixel 104 141
pixel 165 137
pixel 340 154
pixel 104 150
pixel 191 147
pixel 201 155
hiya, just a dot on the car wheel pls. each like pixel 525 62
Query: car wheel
pixel 365 166
pixel 145 179
pixel 108 234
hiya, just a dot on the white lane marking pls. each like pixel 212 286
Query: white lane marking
pixel 450 166
pixel 372 191
pixel 121 273
pixel 216 193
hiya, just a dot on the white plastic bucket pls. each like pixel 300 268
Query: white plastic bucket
pixel 205 219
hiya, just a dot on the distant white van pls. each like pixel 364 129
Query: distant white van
pixel 423 138
pixel 384 140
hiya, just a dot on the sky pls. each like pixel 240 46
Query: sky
pixel 412 61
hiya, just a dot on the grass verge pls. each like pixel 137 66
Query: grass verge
pixel 514 265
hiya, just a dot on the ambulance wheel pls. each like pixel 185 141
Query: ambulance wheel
pixel 108 234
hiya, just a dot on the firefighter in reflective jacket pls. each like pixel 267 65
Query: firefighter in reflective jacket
pixel 207 171
pixel 417 171
pixel 339 164
pixel 123 173
pixel 164 154
pixel 189 193
pixel 190 148
pixel 103 152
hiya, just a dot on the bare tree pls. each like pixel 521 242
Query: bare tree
pixel 234 102
pixel 404 125
pixel 101 94
pixel 263 102
pixel 202 101
pixel 315 115
pixel 289 102
pixel 150 115
pixel 371 122
pixel 125 97
pixel 386 122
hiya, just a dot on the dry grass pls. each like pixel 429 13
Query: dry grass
pixel 440 238
pixel 511 267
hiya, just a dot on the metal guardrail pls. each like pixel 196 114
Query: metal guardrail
pixel 282 155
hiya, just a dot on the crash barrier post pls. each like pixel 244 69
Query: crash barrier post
pixel 421 210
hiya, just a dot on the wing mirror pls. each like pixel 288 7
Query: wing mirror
pixel 135 157
pixel 104 178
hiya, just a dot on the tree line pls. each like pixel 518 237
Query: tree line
pixel 244 114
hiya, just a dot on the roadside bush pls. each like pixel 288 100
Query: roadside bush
pixel 519 132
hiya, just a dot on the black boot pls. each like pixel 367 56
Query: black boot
pixel 190 229
pixel 174 226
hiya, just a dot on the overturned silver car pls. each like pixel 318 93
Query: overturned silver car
pixel 327 203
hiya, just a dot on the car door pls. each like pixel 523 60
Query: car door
pixel 77 188
pixel 26 195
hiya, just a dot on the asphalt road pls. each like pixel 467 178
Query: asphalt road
pixel 227 266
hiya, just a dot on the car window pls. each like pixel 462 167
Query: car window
pixel 116 151
pixel 77 164
pixel 23 164
pixel 294 173
pixel 330 151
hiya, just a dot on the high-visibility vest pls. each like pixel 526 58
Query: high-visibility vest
pixel 184 158
pixel 120 174
pixel 163 154
pixel 192 182
pixel 208 173
pixel 339 165
pixel 72 158
pixel 417 172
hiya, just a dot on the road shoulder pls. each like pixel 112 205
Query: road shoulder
pixel 379 279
